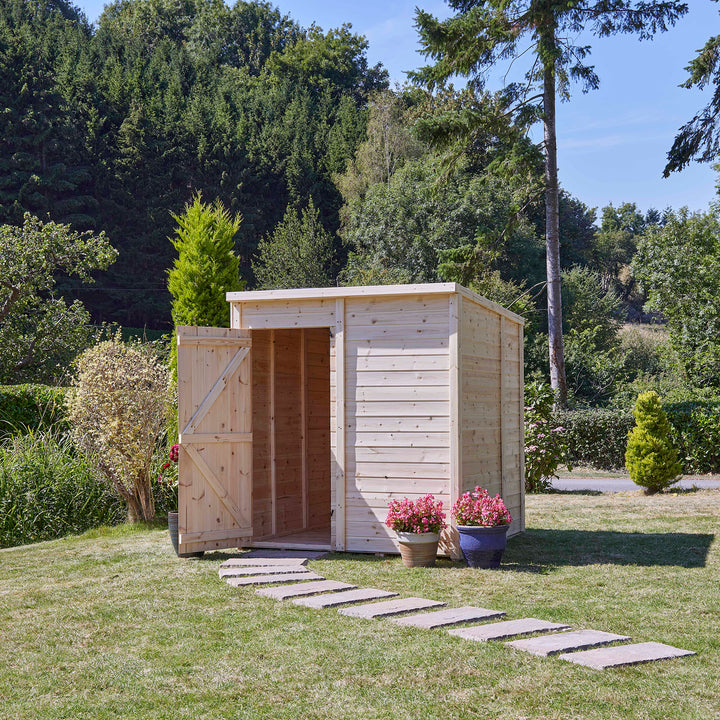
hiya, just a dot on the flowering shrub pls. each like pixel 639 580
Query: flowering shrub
pixel 478 508
pixel 545 445
pixel 167 481
pixel 419 516
pixel 117 410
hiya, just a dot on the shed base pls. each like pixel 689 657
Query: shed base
pixel 306 540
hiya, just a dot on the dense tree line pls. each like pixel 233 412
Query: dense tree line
pixel 115 127
pixel 330 177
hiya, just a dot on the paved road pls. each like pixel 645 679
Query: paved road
pixel 620 484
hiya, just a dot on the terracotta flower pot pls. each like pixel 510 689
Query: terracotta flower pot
pixel 418 549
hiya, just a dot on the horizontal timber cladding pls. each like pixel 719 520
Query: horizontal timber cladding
pixel 284 314
pixel 491 407
pixel 397 433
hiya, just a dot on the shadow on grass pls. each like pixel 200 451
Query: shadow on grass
pixel 539 550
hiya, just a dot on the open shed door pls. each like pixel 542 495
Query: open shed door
pixel 215 423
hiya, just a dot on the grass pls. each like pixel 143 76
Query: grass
pixel 111 625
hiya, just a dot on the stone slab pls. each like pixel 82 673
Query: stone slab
pixel 286 554
pixel 389 607
pixel 449 616
pixel 305 588
pixel 625 655
pixel 566 642
pixel 507 629
pixel 262 570
pixel 264 562
pixel 267 579
pixel 344 598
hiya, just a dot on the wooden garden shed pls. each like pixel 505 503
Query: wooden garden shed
pixel 318 405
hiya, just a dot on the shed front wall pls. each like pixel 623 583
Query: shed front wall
pixel 389 400
pixel 490 356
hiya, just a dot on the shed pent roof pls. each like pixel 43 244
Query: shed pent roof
pixel 372 291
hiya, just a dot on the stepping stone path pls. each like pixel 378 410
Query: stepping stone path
pixel 344 598
pixel 304 588
pixel 625 655
pixel 268 567
pixel 554 644
pixel 507 629
pixel 450 616
pixel 389 607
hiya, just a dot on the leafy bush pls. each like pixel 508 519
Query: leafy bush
pixel 545 442
pixel 28 407
pixel 48 490
pixel 118 410
pixel 39 333
pixel 596 438
pixel 651 458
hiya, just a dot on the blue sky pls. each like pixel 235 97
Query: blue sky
pixel 612 142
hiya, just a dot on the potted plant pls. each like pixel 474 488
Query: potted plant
pixel 482 523
pixel 417 524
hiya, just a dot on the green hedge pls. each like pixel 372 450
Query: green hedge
pixel 31 407
pixel 597 438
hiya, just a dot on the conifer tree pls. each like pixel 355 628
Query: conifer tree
pixel 207 266
pixel 297 254
pixel 651 458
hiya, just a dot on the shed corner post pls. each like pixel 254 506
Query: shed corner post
pixel 339 479
pixel 455 358
pixel 235 315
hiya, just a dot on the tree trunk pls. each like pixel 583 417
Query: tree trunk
pixel 552 241
pixel 144 495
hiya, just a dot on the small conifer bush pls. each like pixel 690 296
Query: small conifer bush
pixel 650 458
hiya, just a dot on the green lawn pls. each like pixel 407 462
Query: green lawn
pixel 112 625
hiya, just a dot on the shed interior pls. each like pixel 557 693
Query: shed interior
pixel 291 493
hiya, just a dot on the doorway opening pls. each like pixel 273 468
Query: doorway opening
pixel 291 503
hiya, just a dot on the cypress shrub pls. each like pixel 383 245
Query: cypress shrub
pixel 651 458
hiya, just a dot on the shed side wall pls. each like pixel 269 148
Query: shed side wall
pixel 397 440
pixel 491 386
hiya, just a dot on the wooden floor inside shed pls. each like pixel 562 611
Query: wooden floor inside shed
pixel 305 540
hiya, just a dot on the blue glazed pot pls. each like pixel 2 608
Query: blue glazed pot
pixel 482 547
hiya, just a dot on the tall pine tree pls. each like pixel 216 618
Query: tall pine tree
pixel 484 33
